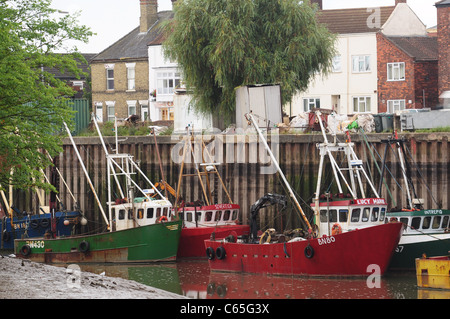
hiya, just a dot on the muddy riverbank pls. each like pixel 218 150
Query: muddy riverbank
pixel 22 279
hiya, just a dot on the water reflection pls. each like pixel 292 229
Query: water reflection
pixel 194 280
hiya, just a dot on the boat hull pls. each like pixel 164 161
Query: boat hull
pixel 151 243
pixel 411 247
pixel 34 226
pixel 433 272
pixel 346 254
pixel 192 239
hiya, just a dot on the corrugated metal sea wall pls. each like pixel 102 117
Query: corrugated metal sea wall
pixel 243 163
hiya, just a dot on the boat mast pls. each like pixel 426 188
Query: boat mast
pixel 87 177
pixel 251 119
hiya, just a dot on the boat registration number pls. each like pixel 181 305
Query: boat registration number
pixel 326 240
pixel 36 244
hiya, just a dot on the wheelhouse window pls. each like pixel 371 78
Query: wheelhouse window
pixel 332 216
pixel 383 214
pixel 375 212
pixel 208 216
pixel 426 222
pixel 140 213
pixel 235 215
pixel 122 214
pixel 343 215
pixel 436 222
pixel 226 215
pixel 415 223
pixel 365 215
pixel 445 221
pixel 356 213
pixel 217 216
pixel 150 212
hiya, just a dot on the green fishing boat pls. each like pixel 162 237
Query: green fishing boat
pixel 140 227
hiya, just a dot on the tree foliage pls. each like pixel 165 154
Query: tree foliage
pixel 32 104
pixel 223 44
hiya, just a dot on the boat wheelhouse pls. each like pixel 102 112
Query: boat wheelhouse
pixel 425 231
pixel 133 233
pixel 350 214
pixel 203 219
pixel 328 248
pixel 210 216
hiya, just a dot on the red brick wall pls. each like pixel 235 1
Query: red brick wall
pixel 444 47
pixel 393 90
pixel 426 75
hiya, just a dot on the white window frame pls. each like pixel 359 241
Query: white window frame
pixel 337 64
pixel 396 67
pixel 132 108
pixel 366 101
pixel 131 76
pixel 310 102
pixel 110 110
pixel 109 79
pixel 395 105
pixel 167 81
pixel 361 64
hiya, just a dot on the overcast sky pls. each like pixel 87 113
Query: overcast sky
pixel 112 19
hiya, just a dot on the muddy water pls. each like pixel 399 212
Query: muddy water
pixel 194 280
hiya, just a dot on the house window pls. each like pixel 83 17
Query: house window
pixel 395 105
pixel 131 107
pixel 310 103
pixel 109 76
pixel 337 64
pixel 396 71
pixel 361 104
pixel 361 63
pixel 167 82
pixel 131 76
pixel 110 109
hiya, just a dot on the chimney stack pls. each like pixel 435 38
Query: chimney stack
pixel 149 14
pixel 319 2
pixel 399 1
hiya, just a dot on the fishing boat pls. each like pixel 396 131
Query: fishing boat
pixel 203 218
pixel 138 228
pixel 433 272
pixel 349 237
pixel 51 220
pixel 426 231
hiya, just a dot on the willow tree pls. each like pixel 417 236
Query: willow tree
pixel 32 104
pixel 222 44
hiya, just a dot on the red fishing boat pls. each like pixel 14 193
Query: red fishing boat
pixel 202 218
pixel 349 236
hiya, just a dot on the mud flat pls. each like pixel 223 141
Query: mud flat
pixel 22 279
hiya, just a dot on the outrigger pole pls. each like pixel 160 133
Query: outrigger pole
pixel 250 118
pixel 87 176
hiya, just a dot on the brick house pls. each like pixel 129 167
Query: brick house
pixel 120 73
pixel 443 18
pixel 352 87
pixel 407 73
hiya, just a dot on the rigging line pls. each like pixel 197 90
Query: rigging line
pixel 386 167
pixel 376 164
pixel 421 177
